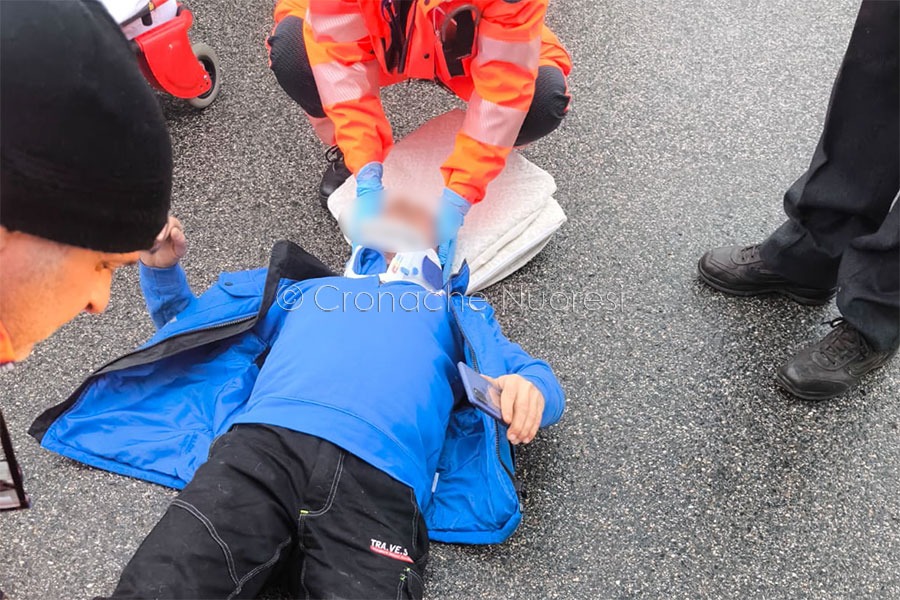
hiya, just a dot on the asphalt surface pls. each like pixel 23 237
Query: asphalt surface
pixel 679 470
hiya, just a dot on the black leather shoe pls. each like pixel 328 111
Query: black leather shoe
pixel 833 365
pixel 335 174
pixel 740 271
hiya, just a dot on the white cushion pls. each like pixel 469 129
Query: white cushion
pixel 504 231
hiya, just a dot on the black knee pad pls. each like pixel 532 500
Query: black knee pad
pixel 290 63
pixel 548 108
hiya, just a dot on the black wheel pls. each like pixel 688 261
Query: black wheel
pixel 210 62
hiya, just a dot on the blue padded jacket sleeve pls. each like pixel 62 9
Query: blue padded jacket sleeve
pixel 519 362
pixel 166 292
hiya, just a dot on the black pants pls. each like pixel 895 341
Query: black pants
pixel 274 505
pixel 290 63
pixel 842 229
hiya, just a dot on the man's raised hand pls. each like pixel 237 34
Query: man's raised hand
pixel 169 247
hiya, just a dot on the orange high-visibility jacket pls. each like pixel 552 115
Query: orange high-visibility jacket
pixel 347 42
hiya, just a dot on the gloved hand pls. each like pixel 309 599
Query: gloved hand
pixel 369 197
pixel 451 214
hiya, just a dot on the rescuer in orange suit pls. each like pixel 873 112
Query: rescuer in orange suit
pixel 333 56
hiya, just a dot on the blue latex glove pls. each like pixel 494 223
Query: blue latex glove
pixel 369 196
pixel 451 214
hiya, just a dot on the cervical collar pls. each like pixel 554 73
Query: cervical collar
pixel 421 267
pixel 418 266
pixel 379 236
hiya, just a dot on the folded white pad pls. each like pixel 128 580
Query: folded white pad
pixel 504 231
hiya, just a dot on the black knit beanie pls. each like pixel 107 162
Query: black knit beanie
pixel 85 156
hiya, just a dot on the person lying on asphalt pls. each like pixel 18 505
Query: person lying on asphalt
pixel 332 413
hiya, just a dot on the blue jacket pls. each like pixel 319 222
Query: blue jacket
pixel 154 412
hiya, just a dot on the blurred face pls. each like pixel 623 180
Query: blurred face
pixel 43 285
pixel 416 215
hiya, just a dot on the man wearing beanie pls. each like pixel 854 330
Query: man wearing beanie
pixel 86 164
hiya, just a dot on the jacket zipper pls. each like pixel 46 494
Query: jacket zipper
pixel 312 269
pixel 509 473
pixel 463 333
pixel 410 29
pixel 102 369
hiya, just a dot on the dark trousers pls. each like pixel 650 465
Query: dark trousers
pixel 842 229
pixel 290 63
pixel 274 505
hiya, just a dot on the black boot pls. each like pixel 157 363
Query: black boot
pixel 833 365
pixel 740 271
pixel 335 174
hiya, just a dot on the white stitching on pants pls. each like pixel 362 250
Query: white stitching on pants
pixel 331 493
pixel 417 576
pixel 408 572
pixel 259 568
pixel 415 536
pixel 212 532
pixel 328 503
pixel 303 578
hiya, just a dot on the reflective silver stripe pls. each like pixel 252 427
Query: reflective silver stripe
pixel 337 28
pixel 523 54
pixel 343 83
pixel 491 123
pixel 324 129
